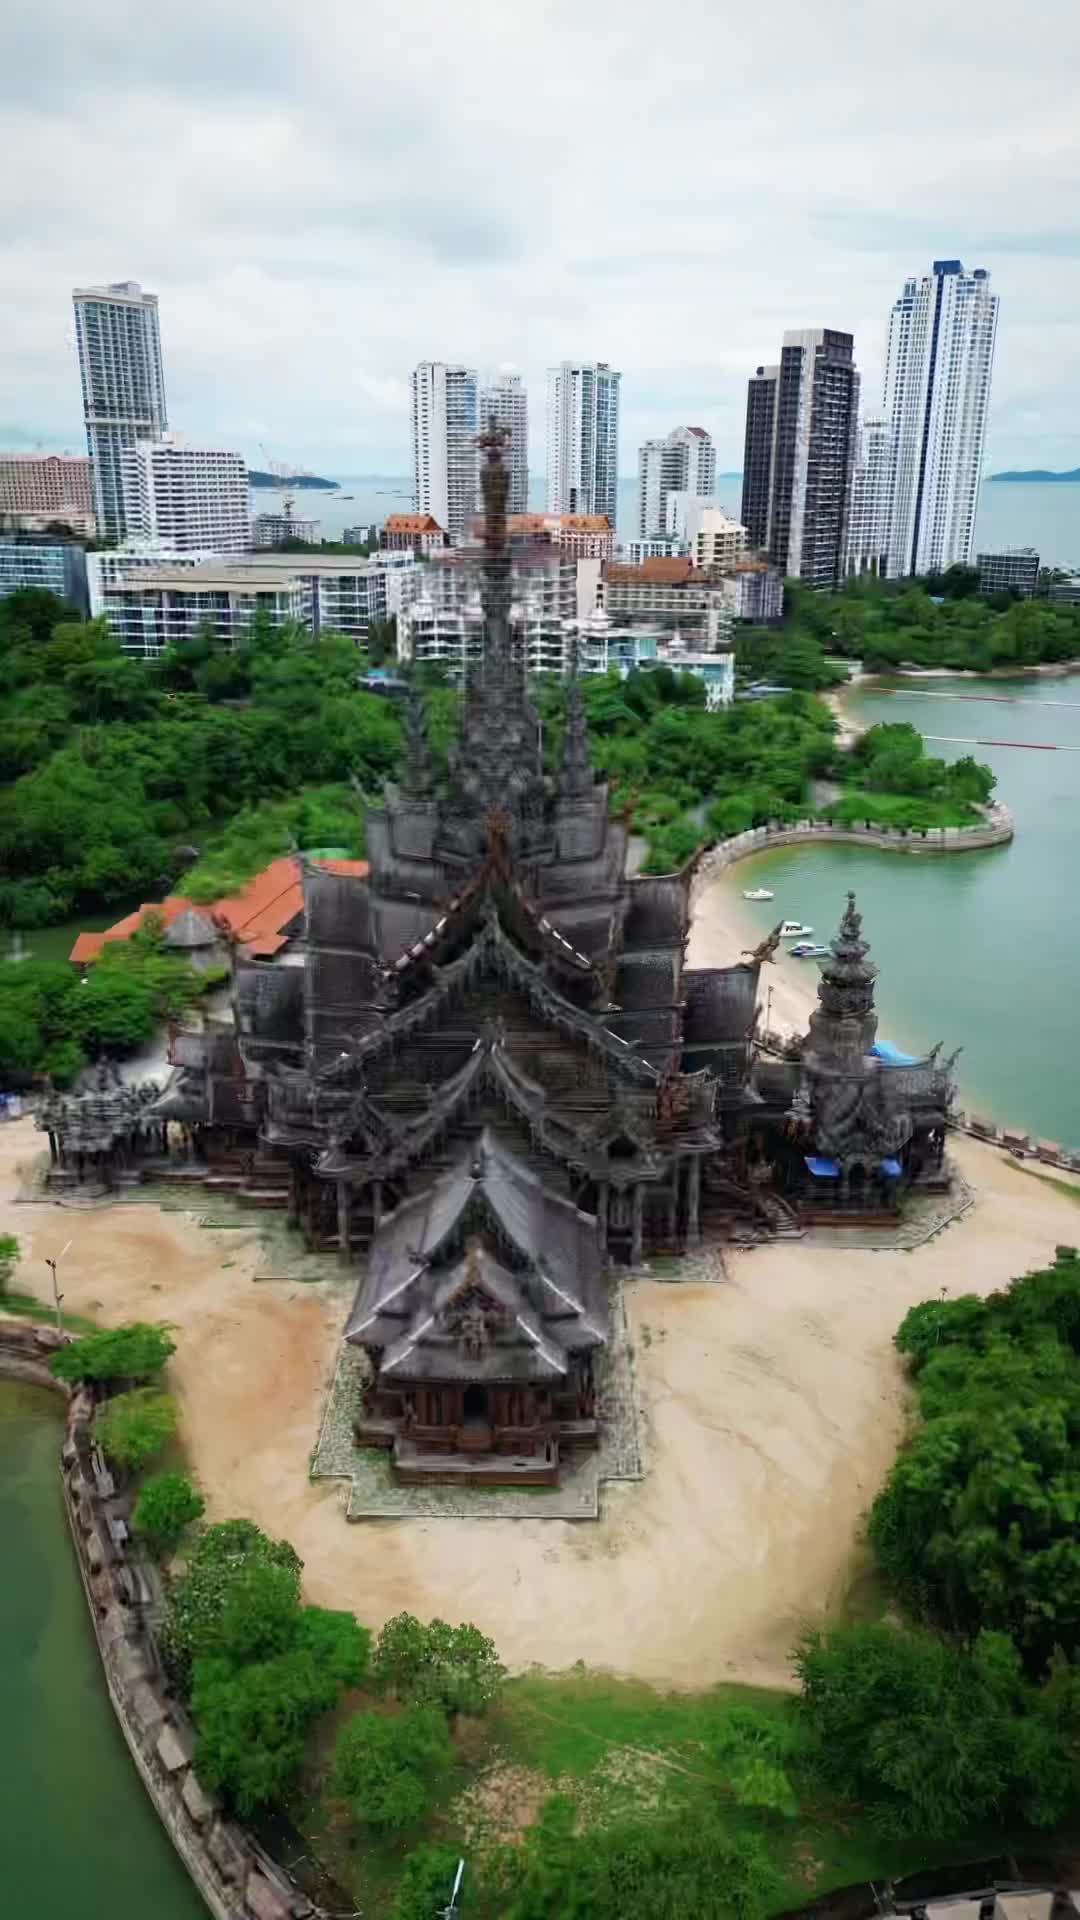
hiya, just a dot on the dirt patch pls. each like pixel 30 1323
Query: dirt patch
pixel 496 1810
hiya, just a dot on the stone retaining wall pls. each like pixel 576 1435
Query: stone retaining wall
pixel 998 829
pixel 123 1590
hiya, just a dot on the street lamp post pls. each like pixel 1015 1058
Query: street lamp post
pixel 57 1295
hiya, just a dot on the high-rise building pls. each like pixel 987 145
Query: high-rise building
pixel 190 497
pixel 507 402
pixel 758 453
pixel 871 499
pixel 815 430
pixel 123 387
pixel 583 438
pixel 937 393
pixel 684 461
pixel 445 460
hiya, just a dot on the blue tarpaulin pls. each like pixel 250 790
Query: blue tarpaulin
pixel 892 1056
pixel 822 1169
pixel 891 1169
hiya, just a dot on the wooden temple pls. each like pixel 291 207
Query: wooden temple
pixel 491 1076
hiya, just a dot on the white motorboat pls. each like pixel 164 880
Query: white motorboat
pixel 793 930
pixel 757 893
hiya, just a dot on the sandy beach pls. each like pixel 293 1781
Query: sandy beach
pixel 772 1402
pixel 724 930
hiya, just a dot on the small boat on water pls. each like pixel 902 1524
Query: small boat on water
pixel 808 950
pixel 793 930
pixel 757 893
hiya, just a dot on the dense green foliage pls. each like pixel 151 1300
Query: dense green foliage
pixel 52 1021
pixel 131 1428
pixel 167 1505
pixel 978 1523
pixel 9 1259
pixel 938 622
pixel 113 765
pixel 137 1351
pixel 260 1665
pixel 426 1880
pixel 326 816
pixel 386 1767
pixel 455 1668
pixel 930 1737
pixel 665 1868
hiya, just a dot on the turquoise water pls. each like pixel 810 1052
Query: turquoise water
pixel 981 949
pixel 79 1833
pixel 1045 516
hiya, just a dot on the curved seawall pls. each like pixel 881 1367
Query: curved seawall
pixel 235 1878
pixel 997 830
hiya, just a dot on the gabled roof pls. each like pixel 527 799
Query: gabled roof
pixel 256 917
pixel 411 523
pixel 555 1241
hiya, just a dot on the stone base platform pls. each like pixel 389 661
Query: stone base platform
pixel 376 1492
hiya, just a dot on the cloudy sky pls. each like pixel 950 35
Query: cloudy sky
pixel 323 193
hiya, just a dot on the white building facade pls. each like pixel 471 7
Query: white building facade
pixel 583 438
pixel 507 402
pixel 445 422
pixel 443 622
pixel 190 497
pixel 871 499
pixel 118 340
pixel 164 606
pixel 684 462
pixel 939 365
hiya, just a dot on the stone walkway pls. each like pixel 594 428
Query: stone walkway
pixel 374 1494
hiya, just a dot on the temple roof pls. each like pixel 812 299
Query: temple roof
pixel 489 1192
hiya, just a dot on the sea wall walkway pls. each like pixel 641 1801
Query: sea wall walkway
pixel 994 831
pixel 235 1877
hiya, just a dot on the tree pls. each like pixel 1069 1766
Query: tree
pixel 167 1505
pixel 456 1668
pixel 228 1560
pixel 386 1768
pixel 425 1884
pixel 9 1260
pixel 137 1351
pixel 931 1738
pixel 251 1722
pixel 134 1426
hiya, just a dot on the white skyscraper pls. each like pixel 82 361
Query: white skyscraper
pixel 190 499
pixel 937 393
pixel 583 438
pixel 119 346
pixel 684 461
pixel 445 458
pixel 507 400
pixel 871 503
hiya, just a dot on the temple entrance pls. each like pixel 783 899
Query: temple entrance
pixel 474 1411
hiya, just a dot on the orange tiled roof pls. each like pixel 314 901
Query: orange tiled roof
pixel 675 571
pixel 411 523
pixel 256 918
pixel 585 522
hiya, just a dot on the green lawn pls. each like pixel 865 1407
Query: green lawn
pixel 28 1308
pixel 621 1750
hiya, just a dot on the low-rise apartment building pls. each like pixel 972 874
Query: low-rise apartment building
pixel 417 533
pixel 443 622
pixel 54 485
pixel 673 594
pixel 56 566
pixel 1014 570
pixel 156 609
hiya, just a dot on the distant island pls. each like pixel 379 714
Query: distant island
pixel 257 478
pixel 1039 473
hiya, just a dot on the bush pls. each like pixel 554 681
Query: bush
pixel 220 1581
pixel 424 1887
pixel 669 1868
pixel 167 1504
pixel 251 1723
pixel 134 1426
pixel 456 1668
pixel 135 1352
pixel 930 1738
pixel 386 1769
pixel 9 1260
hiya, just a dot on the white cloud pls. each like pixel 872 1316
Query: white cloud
pixel 321 195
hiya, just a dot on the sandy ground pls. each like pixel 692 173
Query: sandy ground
pixel 773 1406
pixel 724 930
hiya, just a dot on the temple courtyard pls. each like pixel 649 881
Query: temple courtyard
pixel 771 1405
